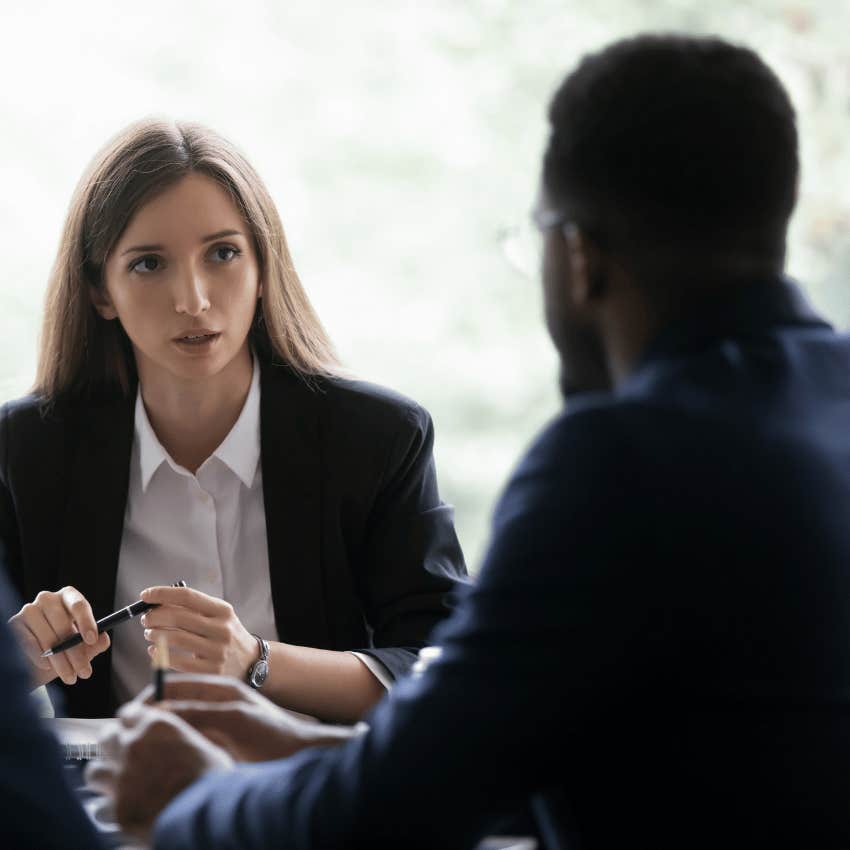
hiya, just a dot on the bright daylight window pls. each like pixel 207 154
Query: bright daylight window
pixel 401 144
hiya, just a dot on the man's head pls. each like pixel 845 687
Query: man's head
pixel 671 170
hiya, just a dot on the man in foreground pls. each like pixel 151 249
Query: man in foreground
pixel 656 651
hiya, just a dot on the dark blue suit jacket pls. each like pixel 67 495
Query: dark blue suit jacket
pixel 38 810
pixel 658 646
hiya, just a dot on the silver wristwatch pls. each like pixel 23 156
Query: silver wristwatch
pixel 259 670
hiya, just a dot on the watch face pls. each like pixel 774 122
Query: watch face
pixel 258 673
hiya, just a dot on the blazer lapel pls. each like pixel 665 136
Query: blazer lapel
pixel 290 456
pixel 97 498
pixel 99 471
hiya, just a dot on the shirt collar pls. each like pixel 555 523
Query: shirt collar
pixel 239 451
pixel 151 453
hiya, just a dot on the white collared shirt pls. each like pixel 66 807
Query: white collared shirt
pixel 208 529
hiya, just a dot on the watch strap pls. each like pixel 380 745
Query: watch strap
pixel 264 648
pixel 259 670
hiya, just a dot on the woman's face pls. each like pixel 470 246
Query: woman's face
pixel 183 279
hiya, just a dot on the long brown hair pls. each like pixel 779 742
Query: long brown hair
pixel 80 353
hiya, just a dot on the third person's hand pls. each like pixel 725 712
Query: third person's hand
pixel 241 721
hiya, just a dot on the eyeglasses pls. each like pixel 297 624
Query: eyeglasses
pixel 522 244
pixel 546 219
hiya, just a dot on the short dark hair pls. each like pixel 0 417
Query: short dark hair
pixel 666 143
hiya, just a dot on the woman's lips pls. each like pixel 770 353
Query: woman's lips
pixel 197 339
pixel 195 334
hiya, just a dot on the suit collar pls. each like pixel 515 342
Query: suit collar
pixel 741 311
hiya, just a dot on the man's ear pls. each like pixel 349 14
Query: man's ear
pixel 587 278
pixel 102 302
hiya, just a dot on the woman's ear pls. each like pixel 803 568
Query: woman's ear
pixel 102 302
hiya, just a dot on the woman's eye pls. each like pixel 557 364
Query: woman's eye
pixel 145 265
pixel 224 253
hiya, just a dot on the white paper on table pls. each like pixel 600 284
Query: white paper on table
pixel 79 736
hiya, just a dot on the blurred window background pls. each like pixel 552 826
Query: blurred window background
pixel 401 142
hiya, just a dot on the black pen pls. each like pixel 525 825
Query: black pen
pixel 108 622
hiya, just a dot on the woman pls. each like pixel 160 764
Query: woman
pixel 189 421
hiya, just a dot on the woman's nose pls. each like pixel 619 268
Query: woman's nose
pixel 190 295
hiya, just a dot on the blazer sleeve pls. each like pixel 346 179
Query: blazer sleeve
pixel 411 563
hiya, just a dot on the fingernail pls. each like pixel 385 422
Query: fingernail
pixel 91 637
pixel 147 633
pixel 144 619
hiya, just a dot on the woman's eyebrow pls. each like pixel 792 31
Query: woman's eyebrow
pixel 219 234
pixel 141 248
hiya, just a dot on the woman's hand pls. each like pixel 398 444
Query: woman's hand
pixel 52 617
pixel 204 632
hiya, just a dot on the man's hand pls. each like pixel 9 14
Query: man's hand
pixel 50 618
pixel 147 761
pixel 203 633
pixel 241 721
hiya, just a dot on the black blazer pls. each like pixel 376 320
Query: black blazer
pixel 362 553
pixel 658 643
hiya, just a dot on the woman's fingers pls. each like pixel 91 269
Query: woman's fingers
pixel 50 618
pixel 187 597
pixel 174 617
pixel 89 652
pixel 78 607
pixel 102 644
pixel 187 641
pixel 183 663
pixel 61 621
pixel 29 644
pixel 35 620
